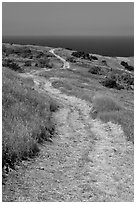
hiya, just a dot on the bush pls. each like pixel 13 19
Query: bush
pixel 109 82
pixel 6 62
pixel 53 106
pixel 104 62
pixel 68 48
pixel 43 62
pixel 127 78
pixel 9 50
pixel 77 54
pixel 94 57
pixel 24 52
pixel 71 59
pixel 49 65
pixel 12 65
pixel 4 48
pixel 128 67
pixel 31 57
pixel 112 81
pixel 80 54
pixel 95 70
pixel 15 67
pixel 119 81
pixel 28 63
pixel 41 54
pixel 124 63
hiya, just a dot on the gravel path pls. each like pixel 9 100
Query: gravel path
pixel 87 161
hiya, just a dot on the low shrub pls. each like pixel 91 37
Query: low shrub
pixel 112 81
pixel 95 70
pixel 41 54
pixel 6 62
pixel 71 59
pixel 7 50
pixel 12 65
pixel 27 63
pixel 31 57
pixel 68 48
pixel 118 81
pixel 54 106
pixel 3 48
pixel 15 67
pixel 128 67
pixel 104 62
pixel 43 62
pixel 81 54
pixel 94 57
pixel 127 78
pixel 124 63
pixel 49 65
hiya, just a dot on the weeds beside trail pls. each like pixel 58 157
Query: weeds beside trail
pixel 26 119
pixel 87 161
pixel 107 109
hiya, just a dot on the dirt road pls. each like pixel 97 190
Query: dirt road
pixel 87 161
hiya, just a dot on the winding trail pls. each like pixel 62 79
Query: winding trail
pixel 66 64
pixel 87 161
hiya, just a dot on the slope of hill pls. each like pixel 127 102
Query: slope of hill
pixel 91 156
pixel 26 118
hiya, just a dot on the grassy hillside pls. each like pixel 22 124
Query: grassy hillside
pixel 91 94
pixel 26 118
pixel 26 115
pixel 113 99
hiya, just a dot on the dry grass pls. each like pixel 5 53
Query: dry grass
pixel 26 118
pixel 124 118
pixel 107 109
pixel 105 103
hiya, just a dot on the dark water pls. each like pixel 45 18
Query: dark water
pixel 108 46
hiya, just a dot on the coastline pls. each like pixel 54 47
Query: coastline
pixel 106 46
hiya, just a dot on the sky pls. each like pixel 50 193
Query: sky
pixel 67 19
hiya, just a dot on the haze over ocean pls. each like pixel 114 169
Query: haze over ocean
pixel 108 46
pixel 77 25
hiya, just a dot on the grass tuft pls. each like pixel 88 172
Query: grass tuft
pixel 105 103
pixel 107 109
pixel 124 118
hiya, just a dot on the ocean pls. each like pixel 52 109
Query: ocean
pixel 107 46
